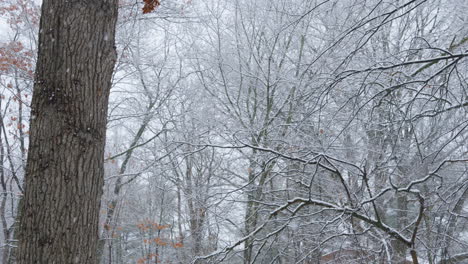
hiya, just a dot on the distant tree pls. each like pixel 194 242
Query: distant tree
pixel 64 176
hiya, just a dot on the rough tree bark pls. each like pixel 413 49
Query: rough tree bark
pixel 64 175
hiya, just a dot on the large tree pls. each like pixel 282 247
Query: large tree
pixel 64 174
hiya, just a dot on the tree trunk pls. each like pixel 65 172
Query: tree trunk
pixel 64 175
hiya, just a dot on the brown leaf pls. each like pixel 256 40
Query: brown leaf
pixel 150 6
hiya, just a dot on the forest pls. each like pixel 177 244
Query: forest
pixel 235 131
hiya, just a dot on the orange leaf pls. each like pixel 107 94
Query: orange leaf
pixel 159 241
pixel 178 245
